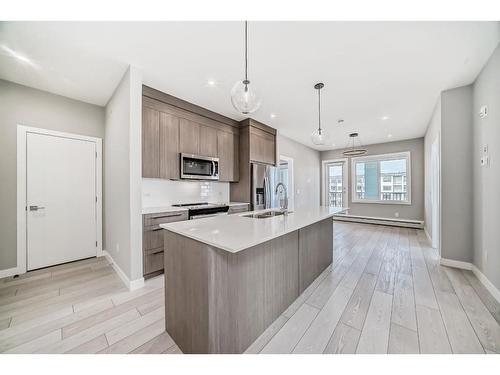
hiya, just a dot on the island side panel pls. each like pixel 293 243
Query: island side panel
pixel 315 251
pixel 263 282
pixel 188 266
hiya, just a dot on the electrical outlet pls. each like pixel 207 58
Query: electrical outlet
pixel 485 149
pixel 117 247
pixel 396 214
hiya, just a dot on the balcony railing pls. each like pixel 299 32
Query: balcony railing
pixel 335 199
pixel 400 196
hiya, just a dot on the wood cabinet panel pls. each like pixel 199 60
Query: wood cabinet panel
pixel 150 143
pixel 262 147
pixel 153 261
pixel 208 141
pixel 227 145
pixel 189 137
pixel 169 146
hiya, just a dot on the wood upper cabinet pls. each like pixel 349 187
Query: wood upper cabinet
pixel 208 141
pixel 150 144
pixel 262 146
pixel 189 137
pixel 227 146
pixel 169 146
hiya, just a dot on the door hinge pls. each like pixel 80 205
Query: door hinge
pixel 96 244
pixel 96 154
pixel 96 199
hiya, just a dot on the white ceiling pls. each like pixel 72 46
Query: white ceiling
pixel 370 69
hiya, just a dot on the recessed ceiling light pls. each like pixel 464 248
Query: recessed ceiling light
pixel 383 118
pixel 389 135
pixel 273 115
pixel 18 56
pixel 212 82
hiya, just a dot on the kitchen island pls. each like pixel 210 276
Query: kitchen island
pixel 227 278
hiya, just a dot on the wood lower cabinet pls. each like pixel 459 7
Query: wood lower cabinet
pixel 152 240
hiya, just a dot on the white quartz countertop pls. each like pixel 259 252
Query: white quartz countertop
pixel 235 233
pixel 160 209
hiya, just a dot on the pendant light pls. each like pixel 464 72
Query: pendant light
pixel 243 96
pixel 353 150
pixel 319 137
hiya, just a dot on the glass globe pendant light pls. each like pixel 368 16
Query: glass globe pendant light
pixel 320 137
pixel 243 96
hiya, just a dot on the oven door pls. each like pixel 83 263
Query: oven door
pixel 199 167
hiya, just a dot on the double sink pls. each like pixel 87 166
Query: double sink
pixel 267 214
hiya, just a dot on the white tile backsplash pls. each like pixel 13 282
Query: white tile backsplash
pixel 156 192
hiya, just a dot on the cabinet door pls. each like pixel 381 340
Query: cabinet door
pixel 208 141
pixel 262 148
pixel 227 144
pixel 169 146
pixel 150 143
pixel 189 137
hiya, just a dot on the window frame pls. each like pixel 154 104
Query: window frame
pixel 381 157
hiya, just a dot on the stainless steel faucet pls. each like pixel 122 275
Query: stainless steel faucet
pixel 284 200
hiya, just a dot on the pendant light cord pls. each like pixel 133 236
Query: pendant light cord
pixel 319 110
pixel 246 50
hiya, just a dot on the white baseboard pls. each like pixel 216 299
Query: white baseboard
pixel 10 272
pixel 456 264
pixel 131 285
pixel 428 236
pixel 487 283
pixel 476 271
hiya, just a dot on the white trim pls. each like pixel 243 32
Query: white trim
pixel 291 186
pixel 456 264
pixel 427 235
pixel 395 155
pixel 22 132
pixel 131 285
pixel 345 176
pixel 9 272
pixel 476 271
pixel 487 283
pixel 418 224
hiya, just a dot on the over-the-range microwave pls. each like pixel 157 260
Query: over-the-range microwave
pixel 197 167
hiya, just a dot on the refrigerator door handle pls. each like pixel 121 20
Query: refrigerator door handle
pixel 266 195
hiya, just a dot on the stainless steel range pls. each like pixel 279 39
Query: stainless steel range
pixel 203 209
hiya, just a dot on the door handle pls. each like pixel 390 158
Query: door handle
pixel 36 208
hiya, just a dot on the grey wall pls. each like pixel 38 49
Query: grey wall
pixel 415 211
pixel 122 180
pixel 306 166
pixel 31 107
pixel 456 174
pixel 486 215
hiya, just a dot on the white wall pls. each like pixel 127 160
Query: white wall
pixel 159 193
pixel 306 169
pixel 122 175
pixel 486 215
pixel 433 132
pixel 26 106
pixel 414 211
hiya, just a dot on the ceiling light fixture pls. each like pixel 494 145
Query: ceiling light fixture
pixel 211 82
pixel 273 115
pixel 353 150
pixel 389 135
pixel 243 97
pixel 383 118
pixel 319 137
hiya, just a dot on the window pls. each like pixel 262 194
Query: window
pixel 382 178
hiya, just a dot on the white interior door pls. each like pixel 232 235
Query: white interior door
pixel 60 199
pixel 435 188
pixel 336 184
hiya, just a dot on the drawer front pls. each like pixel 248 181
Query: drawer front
pixel 163 218
pixel 153 238
pixel 237 209
pixel 153 261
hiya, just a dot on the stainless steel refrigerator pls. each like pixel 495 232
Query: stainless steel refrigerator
pixel 263 184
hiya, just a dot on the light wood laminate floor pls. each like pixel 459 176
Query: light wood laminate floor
pixel 384 293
